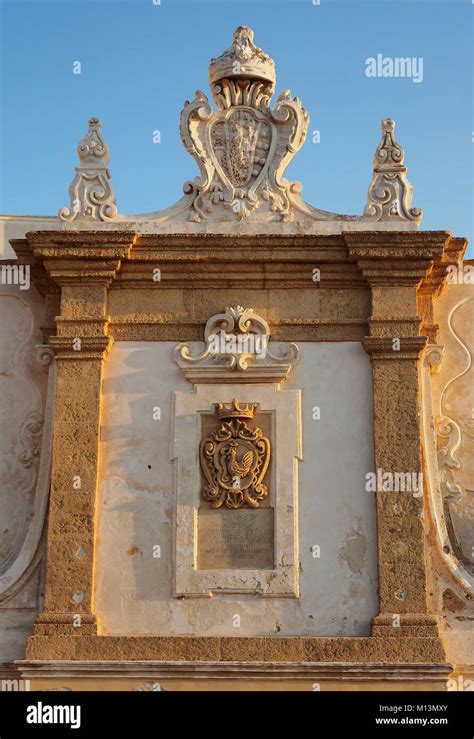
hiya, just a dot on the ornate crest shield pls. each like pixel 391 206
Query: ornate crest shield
pixel 234 459
pixel 243 148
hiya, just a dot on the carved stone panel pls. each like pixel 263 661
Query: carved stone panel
pixel 235 539
pixel 260 571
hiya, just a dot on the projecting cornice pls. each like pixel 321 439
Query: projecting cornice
pixel 435 281
pixel 91 257
pixel 398 259
pixel 350 259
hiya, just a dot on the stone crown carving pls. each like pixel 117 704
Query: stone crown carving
pixel 243 59
pixel 236 409
pixel 237 349
pixel 243 148
pixel 92 197
pixel 390 192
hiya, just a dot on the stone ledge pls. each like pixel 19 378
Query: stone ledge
pixel 139 669
pixel 364 650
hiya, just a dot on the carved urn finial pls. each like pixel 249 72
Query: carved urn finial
pixel 92 197
pixel 390 192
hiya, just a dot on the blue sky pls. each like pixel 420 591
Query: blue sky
pixel 140 61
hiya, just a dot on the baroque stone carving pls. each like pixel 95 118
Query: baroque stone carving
pixel 91 193
pixel 21 415
pixel 242 148
pixel 237 342
pixel 34 459
pixel 454 427
pixel 235 458
pixel 31 432
pixel 449 467
pixel 390 192
pixel 26 395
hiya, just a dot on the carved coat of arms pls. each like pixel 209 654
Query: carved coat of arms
pixel 234 459
pixel 243 148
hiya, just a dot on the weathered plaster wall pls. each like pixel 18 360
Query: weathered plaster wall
pixel 338 588
pixel 15 227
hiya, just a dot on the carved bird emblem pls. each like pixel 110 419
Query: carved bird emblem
pixel 241 467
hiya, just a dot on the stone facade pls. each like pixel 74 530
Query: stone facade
pixel 344 443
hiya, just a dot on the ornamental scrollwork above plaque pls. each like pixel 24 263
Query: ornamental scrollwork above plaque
pixel 237 348
pixel 234 459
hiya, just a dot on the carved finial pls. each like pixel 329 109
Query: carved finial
pixel 243 148
pixel 390 192
pixel 243 59
pixel 91 194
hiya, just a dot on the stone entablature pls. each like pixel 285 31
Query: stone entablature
pixel 333 307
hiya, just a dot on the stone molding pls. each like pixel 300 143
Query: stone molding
pixel 434 283
pixel 381 347
pixel 150 674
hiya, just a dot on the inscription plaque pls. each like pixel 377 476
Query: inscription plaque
pixel 240 539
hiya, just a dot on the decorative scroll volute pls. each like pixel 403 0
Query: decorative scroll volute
pixel 242 148
pixel 237 342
